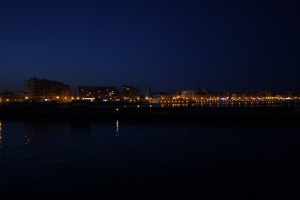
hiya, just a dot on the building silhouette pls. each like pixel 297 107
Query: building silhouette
pixel 130 93
pixel 100 93
pixel 46 90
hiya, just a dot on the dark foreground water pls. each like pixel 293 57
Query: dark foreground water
pixel 149 160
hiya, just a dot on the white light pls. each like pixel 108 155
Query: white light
pixel 117 126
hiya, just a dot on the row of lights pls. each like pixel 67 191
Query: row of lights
pixel 182 100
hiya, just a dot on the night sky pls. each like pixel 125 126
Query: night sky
pixel 168 45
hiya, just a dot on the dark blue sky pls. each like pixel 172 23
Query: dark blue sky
pixel 169 45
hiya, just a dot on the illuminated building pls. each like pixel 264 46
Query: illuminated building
pixel 268 94
pixel 205 95
pixel 45 90
pixel 7 97
pixel 103 93
pixel 130 93
pixel 148 92
pixel 188 94
pixel 161 96
pixel 11 97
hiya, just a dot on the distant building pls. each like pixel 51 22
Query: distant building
pixel 46 90
pixel 148 92
pixel 104 93
pixel 188 94
pixel 11 97
pixel 204 94
pixel 7 97
pixel 130 93
pixel 268 94
pixel 161 96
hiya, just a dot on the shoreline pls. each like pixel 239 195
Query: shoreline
pixel 119 111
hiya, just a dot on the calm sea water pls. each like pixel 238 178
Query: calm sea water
pixel 149 160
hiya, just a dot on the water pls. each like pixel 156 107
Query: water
pixel 149 160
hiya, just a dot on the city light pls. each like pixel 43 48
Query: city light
pixel 41 90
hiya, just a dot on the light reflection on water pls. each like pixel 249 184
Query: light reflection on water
pixel 117 128
pixel 193 158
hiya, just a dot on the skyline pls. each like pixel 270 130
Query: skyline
pixel 75 89
pixel 169 46
pixel 42 90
